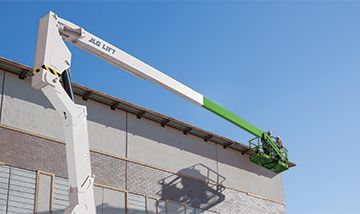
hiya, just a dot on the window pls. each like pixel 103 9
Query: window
pixel 44 184
pixel 4 186
pixel 21 191
pixel 151 206
pixel 191 210
pixel 61 198
pixel 109 201
pixel 175 208
pixel 162 207
pixel 136 204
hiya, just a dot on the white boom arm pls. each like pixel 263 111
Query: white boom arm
pixel 52 55
pixel 81 193
pixel 94 45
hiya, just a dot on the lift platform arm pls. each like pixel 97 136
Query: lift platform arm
pixel 53 62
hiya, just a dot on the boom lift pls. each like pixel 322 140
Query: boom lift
pixel 52 77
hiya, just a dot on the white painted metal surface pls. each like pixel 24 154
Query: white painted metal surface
pixel 81 180
pixel 108 52
pixel 50 48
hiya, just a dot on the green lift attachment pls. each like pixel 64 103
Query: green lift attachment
pixel 262 149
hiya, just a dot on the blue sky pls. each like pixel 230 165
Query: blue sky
pixel 292 67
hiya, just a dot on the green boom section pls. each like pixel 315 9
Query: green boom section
pixel 231 117
pixel 275 159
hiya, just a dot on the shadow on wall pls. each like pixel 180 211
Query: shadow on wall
pixel 203 194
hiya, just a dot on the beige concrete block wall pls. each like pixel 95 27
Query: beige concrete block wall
pixel 25 108
pixel 171 149
pixel 28 109
pixel 241 174
pixel 107 128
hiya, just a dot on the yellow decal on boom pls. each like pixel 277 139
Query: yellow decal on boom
pixel 48 69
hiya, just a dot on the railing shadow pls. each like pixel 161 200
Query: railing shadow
pixel 203 190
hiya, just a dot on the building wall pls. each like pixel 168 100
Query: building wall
pixel 170 149
pixel 136 155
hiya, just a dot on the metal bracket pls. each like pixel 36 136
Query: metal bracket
pixel 140 114
pixel 208 137
pixel 244 151
pixel 22 75
pixel 87 95
pixel 226 145
pixel 186 131
pixel 114 105
pixel 163 123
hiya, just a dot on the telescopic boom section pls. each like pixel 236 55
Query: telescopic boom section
pixel 119 58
